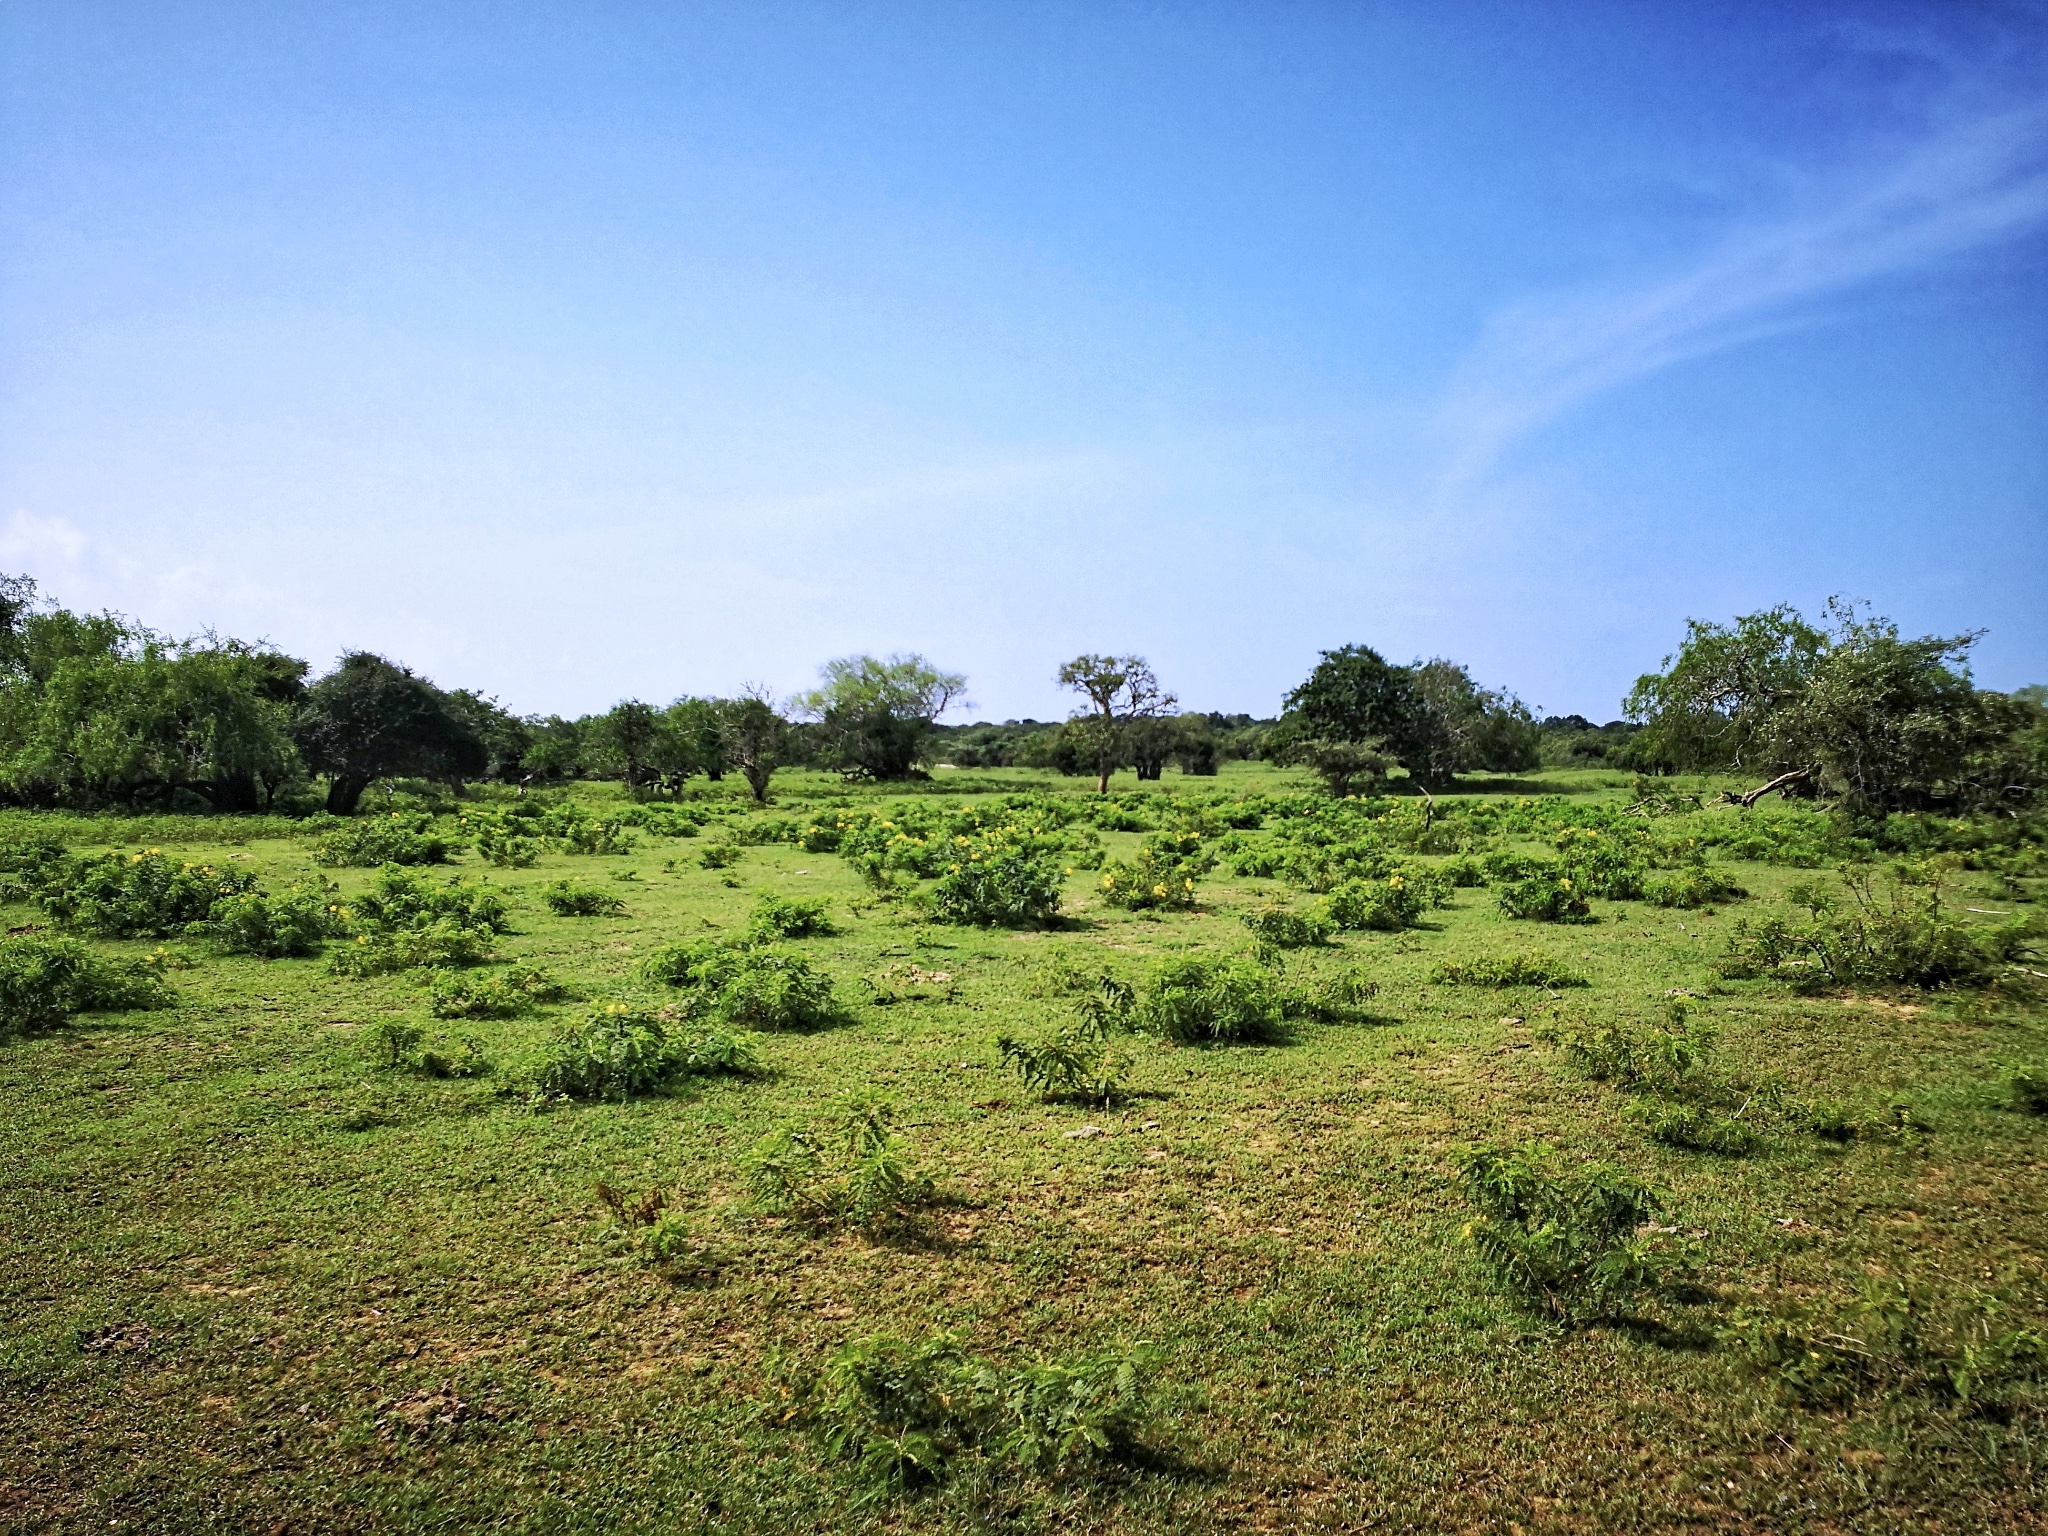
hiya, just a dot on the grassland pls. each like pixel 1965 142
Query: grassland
pixel 255 1282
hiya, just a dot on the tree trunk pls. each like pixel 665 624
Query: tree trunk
pixel 344 791
pixel 1782 782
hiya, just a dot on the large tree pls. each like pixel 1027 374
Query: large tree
pixel 369 719
pixel 755 736
pixel 1847 708
pixel 1121 692
pixel 1357 713
pixel 874 715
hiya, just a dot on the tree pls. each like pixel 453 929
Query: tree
pixel 368 720
pixel 626 740
pixel 875 716
pixel 1846 708
pixel 554 750
pixel 506 738
pixel 755 736
pixel 1121 691
pixel 1467 726
pixel 1429 717
pixel 690 742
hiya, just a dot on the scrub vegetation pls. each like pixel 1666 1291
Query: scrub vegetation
pixel 547 1133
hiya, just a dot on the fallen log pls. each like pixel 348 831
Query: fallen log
pixel 1782 782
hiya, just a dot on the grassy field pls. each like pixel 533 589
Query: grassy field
pixel 255 1281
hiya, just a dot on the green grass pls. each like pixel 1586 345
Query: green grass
pixel 255 1282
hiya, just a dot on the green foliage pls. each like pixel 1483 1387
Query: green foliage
pixel 272 926
pixel 1632 1056
pixel 1283 929
pixel 1161 877
pixel 44 980
pixel 788 917
pixel 760 987
pixel 391 1042
pixel 719 855
pixel 1383 904
pixel 1898 934
pixel 658 1232
pixel 1076 1062
pixel 471 995
pixel 398 899
pixel 874 717
pixel 859 1170
pixel 134 895
pixel 1898 1340
pixel 395 838
pixel 2027 1090
pixel 1010 889
pixel 1547 898
pixel 1571 1247
pixel 1694 885
pixel 369 720
pixel 1210 999
pixel 431 944
pixel 1328 999
pixel 620 1051
pixel 570 898
pixel 1694 1128
pixel 1513 970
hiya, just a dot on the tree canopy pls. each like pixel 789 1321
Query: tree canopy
pixel 874 715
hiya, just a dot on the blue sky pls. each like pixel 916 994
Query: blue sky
pixel 606 350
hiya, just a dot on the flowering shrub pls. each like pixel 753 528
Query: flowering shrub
pixel 1288 930
pixel 1162 875
pixel 398 899
pixel 429 945
pixel 134 895
pixel 1696 885
pixel 272 926
pixel 43 981
pixel 788 917
pixel 999 890
pixel 1551 898
pixel 1396 901
pixel 395 838
pixel 763 988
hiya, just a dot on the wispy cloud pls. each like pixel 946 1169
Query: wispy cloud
pixel 1961 187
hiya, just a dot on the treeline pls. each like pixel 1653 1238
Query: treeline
pixel 97 711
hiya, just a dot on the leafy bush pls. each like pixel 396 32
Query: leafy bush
pixel 1282 929
pixel 568 898
pixel 134 895
pixel 620 1051
pixel 788 917
pixel 1075 1062
pixel 763 988
pixel 398 899
pixel 872 1182
pixel 1162 875
pixel 1515 970
pixel 44 980
pixel 720 855
pixel 1599 863
pixel 904 1414
pixel 467 995
pixel 432 945
pixel 1572 1248
pixel 392 1041
pixel 659 1232
pixel 1547 898
pixel 272 926
pixel 1693 1128
pixel 395 838
pixel 498 843
pixel 1210 999
pixel 1903 937
pixel 1397 901
pixel 1463 872
pixel 1694 885
pixel 1634 1057
pixel 1897 1339
pixel 1328 1000
pixel 2028 1089
pixel 1003 890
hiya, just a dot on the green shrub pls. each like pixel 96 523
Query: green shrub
pixel 1283 929
pixel 1161 876
pixel 720 855
pixel 1516 970
pixel 499 844
pixel 465 1058
pixel 1572 1248
pixel 1076 1062
pixel 906 1414
pixel 518 990
pixel 1694 885
pixel 1636 1057
pixel 1903 936
pixel 45 980
pixel 788 917
pixel 272 926
pixel 2028 1090
pixel 134 895
pixel 1598 863
pixel 1200 999
pixel 1329 1000
pixel 1695 1129
pixel 1897 1339
pixel 392 1041
pixel 659 1232
pixel 1463 872
pixel 761 987
pixel 398 899
pixel 568 898
pixel 1546 898
pixel 1012 889
pixel 1383 904
pixel 434 945
pixel 369 841
pixel 620 1051
pixel 860 1171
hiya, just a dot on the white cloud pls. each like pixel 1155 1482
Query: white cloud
pixel 1960 187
